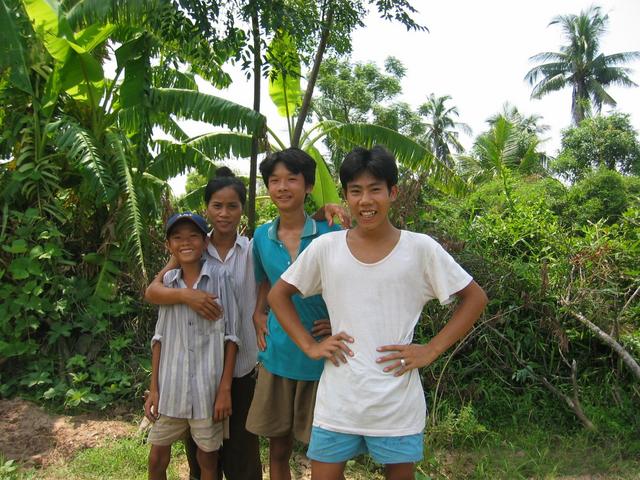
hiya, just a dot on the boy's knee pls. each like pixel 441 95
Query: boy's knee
pixel 159 457
pixel 207 460
pixel 280 448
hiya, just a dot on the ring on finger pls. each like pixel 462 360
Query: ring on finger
pixel 403 363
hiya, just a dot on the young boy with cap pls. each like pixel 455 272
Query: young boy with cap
pixel 192 358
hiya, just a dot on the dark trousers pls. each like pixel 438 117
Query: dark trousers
pixel 240 454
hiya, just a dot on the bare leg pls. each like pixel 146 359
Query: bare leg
pixel 280 449
pixel 191 449
pixel 399 471
pixel 159 457
pixel 208 462
pixel 327 471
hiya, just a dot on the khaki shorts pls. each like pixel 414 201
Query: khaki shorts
pixel 282 406
pixel 206 433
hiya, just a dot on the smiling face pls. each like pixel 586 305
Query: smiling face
pixel 287 189
pixel 186 242
pixel 369 199
pixel 224 211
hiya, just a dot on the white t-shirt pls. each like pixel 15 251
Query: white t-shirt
pixel 377 304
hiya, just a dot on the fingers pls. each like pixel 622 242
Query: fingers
pixel 335 349
pixel 220 413
pixel 321 328
pixel 345 219
pixel 402 358
pixel 205 304
pixel 150 411
pixel 262 341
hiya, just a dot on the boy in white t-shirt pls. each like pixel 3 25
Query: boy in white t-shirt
pixel 375 280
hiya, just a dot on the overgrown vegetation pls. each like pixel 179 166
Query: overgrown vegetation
pixel 551 367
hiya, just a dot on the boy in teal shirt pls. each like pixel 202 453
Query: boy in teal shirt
pixel 282 407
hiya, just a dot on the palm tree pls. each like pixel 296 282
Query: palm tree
pixel 440 133
pixel 581 65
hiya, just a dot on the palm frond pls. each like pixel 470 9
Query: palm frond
pixel 165 77
pixel 127 12
pixel 192 105
pixel 131 210
pixel 408 152
pixel 80 145
pixel 198 153
pixel 11 50
pixel 175 159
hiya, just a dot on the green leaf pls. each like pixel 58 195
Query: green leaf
pixel 407 151
pixel 284 78
pixel 134 88
pixel 80 145
pixel 93 36
pixel 20 268
pixel 324 190
pixel 50 393
pixel 11 51
pixel 130 197
pixel 17 246
pixel 50 27
pixel 59 330
pixel 199 153
pixel 192 105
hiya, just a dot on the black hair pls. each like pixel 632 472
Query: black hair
pixel 378 161
pixel 225 178
pixel 296 161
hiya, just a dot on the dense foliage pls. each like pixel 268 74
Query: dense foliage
pixel 83 192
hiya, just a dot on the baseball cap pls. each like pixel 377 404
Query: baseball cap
pixel 199 222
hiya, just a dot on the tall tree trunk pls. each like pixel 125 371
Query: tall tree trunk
pixel 313 76
pixel 253 165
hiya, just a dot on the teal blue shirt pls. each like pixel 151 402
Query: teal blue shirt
pixel 283 357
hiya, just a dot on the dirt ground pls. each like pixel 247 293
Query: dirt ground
pixel 34 437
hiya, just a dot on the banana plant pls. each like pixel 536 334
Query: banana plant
pixel 94 134
pixel 286 93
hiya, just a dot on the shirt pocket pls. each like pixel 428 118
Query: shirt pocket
pixel 209 327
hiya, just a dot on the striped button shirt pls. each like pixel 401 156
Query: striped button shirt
pixel 239 265
pixel 192 354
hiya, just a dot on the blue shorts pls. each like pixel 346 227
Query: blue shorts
pixel 335 447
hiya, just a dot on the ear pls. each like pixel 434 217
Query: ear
pixel 393 193
pixel 308 188
pixel 168 246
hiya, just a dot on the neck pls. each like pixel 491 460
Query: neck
pixel 384 230
pixel 223 240
pixel 292 220
pixel 190 272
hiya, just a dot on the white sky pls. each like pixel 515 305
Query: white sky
pixel 478 53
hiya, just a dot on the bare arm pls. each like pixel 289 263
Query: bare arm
pixel 334 347
pixel 199 301
pixel 260 315
pixel 151 404
pixel 222 405
pixel 472 301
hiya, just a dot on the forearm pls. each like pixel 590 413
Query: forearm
pixel 158 294
pixel 472 302
pixel 155 365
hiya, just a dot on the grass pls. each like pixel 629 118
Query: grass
pixel 124 458
pixel 525 453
